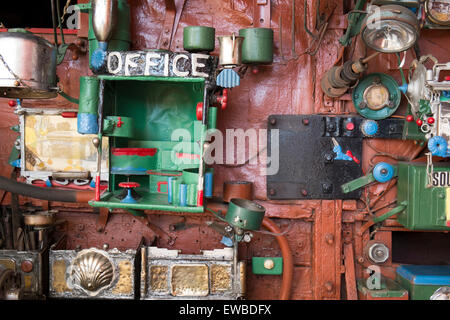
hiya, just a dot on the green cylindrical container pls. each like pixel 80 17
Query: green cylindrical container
pixel 245 214
pixel 199 38
pixel 121 37
pixel 258 45
pixel 116 126
pixel 89 88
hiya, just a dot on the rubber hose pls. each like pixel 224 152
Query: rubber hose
pixel 288 261
pixel 48 194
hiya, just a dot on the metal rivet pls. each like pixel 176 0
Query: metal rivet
pixel 269 264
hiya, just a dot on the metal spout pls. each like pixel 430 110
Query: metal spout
pixel 104 18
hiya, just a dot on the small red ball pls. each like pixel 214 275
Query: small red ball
pixel 12 103
pixel 430 120
pixel 419 122
pixel 409 118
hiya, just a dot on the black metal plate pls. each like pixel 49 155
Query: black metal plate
pixel 306 142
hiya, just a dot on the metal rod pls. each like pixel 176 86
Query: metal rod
pixel 99 148
pixel 367 59
pixel 52 2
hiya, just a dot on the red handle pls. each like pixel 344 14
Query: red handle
pixel 349 153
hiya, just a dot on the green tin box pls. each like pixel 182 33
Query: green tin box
pixel 427 208
pixel 422 281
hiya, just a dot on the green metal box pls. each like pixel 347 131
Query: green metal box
pixel 427 207
pixel 422 281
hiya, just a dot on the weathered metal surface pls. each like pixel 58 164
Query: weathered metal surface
pixel 167 274
pixel 314 173
pixel 92 273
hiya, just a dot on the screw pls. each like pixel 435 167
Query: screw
pixel 272 192
pixel 360 260
pixel 273 121
pixel 329 286
pixel 269 264
pixel 384 171
pixel 331 127
pixel 304 192
pixel 305 121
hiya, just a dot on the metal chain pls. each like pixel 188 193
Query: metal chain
pixel 429 169
pixel 12 72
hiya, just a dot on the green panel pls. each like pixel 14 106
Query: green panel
pixel 149 201
pixel 417 292
pixel 212 118
pixel 426 207
pixel 158 107
pixel 258 265
pixel 257 47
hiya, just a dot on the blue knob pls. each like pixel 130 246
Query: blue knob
pixel 438 146
pixel 383 172
pixel 369 128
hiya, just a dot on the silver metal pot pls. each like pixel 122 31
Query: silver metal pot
pixel 27 66
pixel 230 50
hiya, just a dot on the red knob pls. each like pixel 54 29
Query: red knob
pixel 200 111
pixel 430 120
pixel 129 185
pixel 409 118
pixel 12 103
pixel 119 122
pixel 447 78
pixel 350 126
pixel 419 122
pixel 224 99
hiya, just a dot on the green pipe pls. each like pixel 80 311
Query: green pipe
pixel 391 213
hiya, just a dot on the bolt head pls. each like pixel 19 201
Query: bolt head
pixel 273 121
pixel 304 192
pixel 269 264
pixel 26 266
pixel 305 122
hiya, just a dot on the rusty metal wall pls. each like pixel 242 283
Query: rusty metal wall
pixel 319 230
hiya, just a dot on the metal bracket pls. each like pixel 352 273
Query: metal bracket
pixel 102 219
pixel 174 9
pixel 261 13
